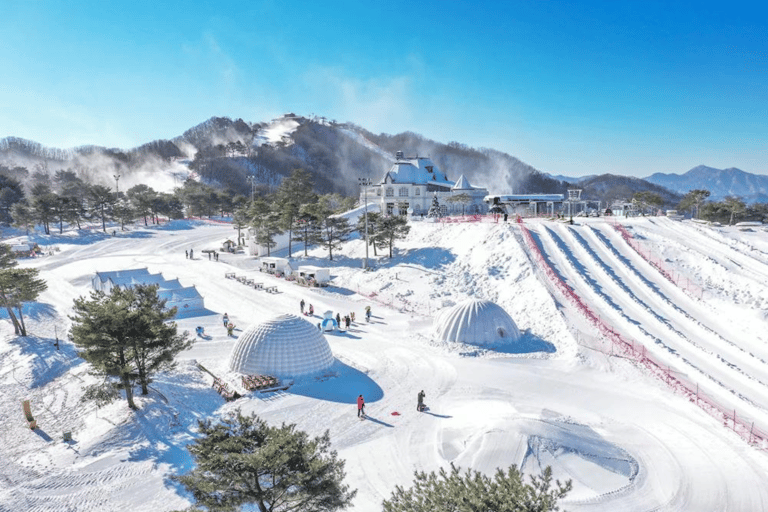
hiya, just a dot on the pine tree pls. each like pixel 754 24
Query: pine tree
pixel 243 461
pixel 126 334
pixel 476 492
pixel 17 286
pixel 434 210
pixel 155 340
pixel 294 192
pixel 335 231
pixel 390 229
pixel 99 330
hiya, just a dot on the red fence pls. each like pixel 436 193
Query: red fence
pixel 634 350
pixel 684 284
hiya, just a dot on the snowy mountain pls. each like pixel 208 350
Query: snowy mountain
pixel 720 182
pixel 224 152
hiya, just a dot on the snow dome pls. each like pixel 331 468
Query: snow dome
pixel 284 346
pixel 476 322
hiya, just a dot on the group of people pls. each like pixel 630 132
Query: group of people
pixel 420 405
pixel 310 311
pixel 229 326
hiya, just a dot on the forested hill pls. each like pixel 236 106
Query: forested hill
pixel 224 152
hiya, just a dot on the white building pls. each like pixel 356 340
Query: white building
pixel 412 182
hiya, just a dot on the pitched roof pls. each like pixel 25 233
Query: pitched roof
pixel 416 170
pixel 462 184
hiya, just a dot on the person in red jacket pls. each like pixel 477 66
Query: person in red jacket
pixel 360 406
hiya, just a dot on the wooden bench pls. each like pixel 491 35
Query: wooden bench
pixel 31 421
pixel 230 275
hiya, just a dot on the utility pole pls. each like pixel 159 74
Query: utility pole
pixel 252 180
pixel 365 183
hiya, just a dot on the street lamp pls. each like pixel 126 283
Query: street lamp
pixel 365 183
pixel 117 189
pixel 252 180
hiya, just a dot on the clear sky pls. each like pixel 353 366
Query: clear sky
pixel 572 88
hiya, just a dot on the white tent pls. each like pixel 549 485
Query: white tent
pixel 284 346
pixel 186 299
pixel 476 322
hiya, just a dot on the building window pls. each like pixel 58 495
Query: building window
pixel 418 191
pixel 378 191
pixel 403 192
pixel 390 208
pixel 390 192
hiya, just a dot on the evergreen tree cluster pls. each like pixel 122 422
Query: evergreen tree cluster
pixel 128 335
pixel 17 286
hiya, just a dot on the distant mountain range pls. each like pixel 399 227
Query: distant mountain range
pixel 243 157
pixel 752 188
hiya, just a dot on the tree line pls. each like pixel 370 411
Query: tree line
pixel 728 211
pixel 307 219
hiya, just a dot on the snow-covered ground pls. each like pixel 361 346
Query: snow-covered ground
pixel 627 439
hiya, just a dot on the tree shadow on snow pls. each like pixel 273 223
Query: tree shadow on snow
pixel 341 383
pixel 47 363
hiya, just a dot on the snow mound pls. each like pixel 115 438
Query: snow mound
pixel 476 322
pixel 284 346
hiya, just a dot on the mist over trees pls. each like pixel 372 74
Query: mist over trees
pixel 222 162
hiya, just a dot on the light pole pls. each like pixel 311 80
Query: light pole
pixel 251 179
pixel 117 189
pixel 365 183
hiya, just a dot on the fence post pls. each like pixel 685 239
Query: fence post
pixel 734 420
pixel 750 432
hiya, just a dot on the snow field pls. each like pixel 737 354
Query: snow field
pixel 627 441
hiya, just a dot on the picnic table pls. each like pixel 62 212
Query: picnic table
pixel 271 289
pixel 258 286
pixel 230 275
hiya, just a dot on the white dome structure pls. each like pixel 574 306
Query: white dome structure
pixel 476 322
pixel 284 346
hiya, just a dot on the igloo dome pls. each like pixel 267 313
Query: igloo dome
pixel 284 346
pixel 476 322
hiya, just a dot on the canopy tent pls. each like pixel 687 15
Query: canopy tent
pixel 283 346
pixel 476 322
pixel 186 299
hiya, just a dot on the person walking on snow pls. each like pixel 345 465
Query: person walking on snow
pixel 302 306
pixel 360 406
pixel 367 313
pixel 226 319
pixel 311 310
pixel 420 402
pixel 230 329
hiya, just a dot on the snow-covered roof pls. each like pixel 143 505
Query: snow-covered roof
pixel 463 184
pixel 476 322
pixel 121 274
pixel 284 346
pixel 416 170
pixel 511 198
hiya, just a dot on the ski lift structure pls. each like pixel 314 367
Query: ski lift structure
pixel 574 203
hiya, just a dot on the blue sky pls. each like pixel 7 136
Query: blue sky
pixel 572 88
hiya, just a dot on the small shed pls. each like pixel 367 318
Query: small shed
pixel 313 276
pixel 275 265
